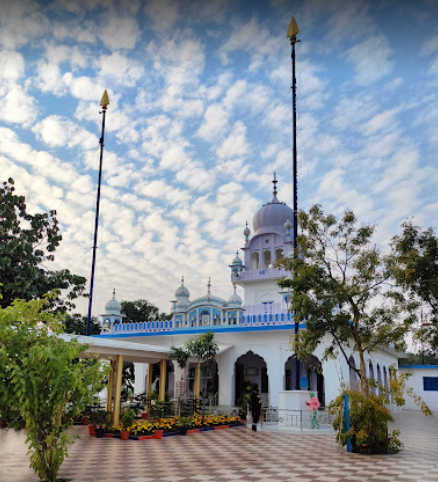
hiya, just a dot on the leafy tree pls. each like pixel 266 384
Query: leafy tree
pixel 338 282
pixel 203 349
pixel 414 264
pixel 45 379
pixel 27 245
pixel 76 324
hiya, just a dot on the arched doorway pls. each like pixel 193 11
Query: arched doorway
pixel 251 370
pixel 311 377
pixel 354 379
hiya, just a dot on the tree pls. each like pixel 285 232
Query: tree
pixel 76 324
pixel 45 379
pixel 339 289
pixel 27 245
pixel 414 264
pixel 203 349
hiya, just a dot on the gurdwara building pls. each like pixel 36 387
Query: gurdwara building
pixel 254 335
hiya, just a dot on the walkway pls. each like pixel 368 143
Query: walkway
pixel 235 454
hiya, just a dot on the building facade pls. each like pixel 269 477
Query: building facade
pixel 254 335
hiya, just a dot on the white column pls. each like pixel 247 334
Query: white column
pixel 140 373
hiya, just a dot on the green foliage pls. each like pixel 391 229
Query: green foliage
pixel 27 245
pixel 369 419
pixel 203 348
pixel 339 285
pixel 100 418
pixel 423 357
pixel 45 379
pixel 76 324
pixel 128 419
pixel 414 264
pixel 181 355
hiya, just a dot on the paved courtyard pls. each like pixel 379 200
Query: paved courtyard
pixel 235 454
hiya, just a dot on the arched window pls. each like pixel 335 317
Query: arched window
pixel 266 259
pixel 278 254
pixel 254 260
pixel 371 376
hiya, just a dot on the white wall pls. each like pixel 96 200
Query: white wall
pixel 416 382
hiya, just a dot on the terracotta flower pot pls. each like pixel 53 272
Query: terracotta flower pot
pixel 158 434
pixel 85 421
pixel 3 423
pixel 92 430
pixel 124 434
pixel 144 415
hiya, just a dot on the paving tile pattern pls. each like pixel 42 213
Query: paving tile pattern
pixel 233 455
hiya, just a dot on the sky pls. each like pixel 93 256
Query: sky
pixel 200 119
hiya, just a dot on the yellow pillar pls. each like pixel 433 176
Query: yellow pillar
pixel 118 390
pixel 162 389
pixel 197 386
pixel 110 388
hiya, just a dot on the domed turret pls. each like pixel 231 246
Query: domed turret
pixel 235 300
pixel 113 306
pixel 182 292
pixel 271 218
pixel 236 266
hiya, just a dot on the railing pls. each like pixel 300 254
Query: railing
pixel 262 273
pixel 297 419
pixel 254 315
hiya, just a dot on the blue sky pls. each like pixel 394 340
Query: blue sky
pixel 200 118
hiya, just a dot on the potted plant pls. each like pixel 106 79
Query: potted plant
pixel 128 419
pixel 98 420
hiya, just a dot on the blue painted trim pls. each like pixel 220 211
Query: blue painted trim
pixel 195 331
pixel 419 366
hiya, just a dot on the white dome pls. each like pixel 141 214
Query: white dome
pixel 182 292
pixel 235 300
pixel 113 307
pixel 272 217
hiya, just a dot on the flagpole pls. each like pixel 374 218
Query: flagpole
pixel 104 104
pixel 292 35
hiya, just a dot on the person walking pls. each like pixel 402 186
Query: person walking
pixel 256 405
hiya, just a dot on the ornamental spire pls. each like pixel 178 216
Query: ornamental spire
pixel 209 286
pixel 274 182
pixel 114 293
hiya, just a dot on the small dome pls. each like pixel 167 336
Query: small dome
pixel 182 292
pixel 246 231
pixel 237 261
pixel 288 225
pixel 113 306
pixel 235 299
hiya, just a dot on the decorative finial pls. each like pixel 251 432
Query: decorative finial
pixel 209 285
pixel 182 280
pixel 234 286
pixel 114 293
pixel 246 232
pixel 104 102
pixel 275 184
pixel 293 30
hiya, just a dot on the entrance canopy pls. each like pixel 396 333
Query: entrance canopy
pixel 110 348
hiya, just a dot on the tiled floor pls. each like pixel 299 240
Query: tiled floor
pixel 235 454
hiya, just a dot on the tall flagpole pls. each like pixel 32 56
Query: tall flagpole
pixel 104 104
pixel 292 32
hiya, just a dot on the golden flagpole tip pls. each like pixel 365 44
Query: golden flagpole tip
pixel 293 29
pixel 104 102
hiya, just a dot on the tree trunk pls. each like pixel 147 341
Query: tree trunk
pixel 363 375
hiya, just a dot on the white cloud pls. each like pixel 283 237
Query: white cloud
pixel 118 31
pixel 371 59
pixel 57 131
pixel 163 13
pixel 235 145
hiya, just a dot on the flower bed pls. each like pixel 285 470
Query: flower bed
pixel 145 429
